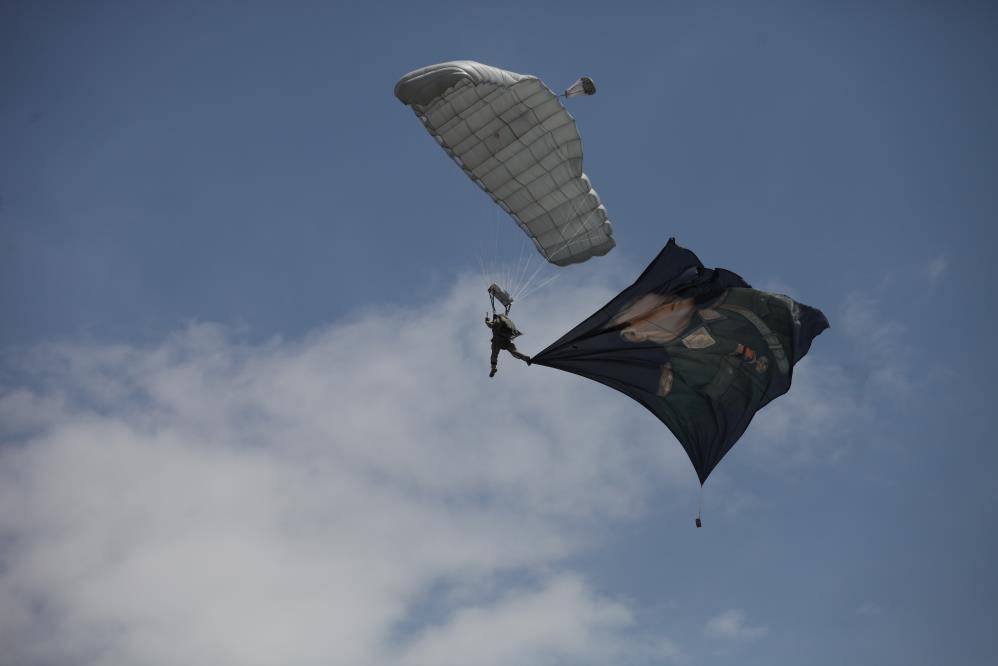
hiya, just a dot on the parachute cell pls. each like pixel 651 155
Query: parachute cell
pixel 511 135
pixel 697 346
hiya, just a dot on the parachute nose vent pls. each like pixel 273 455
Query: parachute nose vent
pixel 584 86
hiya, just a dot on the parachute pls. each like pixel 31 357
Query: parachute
pixel 511 135
pixel 697 346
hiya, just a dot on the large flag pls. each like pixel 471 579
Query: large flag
pixel 697 346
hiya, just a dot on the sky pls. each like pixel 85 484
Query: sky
pixel 245 416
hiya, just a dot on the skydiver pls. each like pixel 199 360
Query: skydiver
pixel 503 332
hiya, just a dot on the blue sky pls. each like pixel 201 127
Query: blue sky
pixel 243 380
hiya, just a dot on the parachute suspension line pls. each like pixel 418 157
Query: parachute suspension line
pixel 522 281
pixel 528 274
pixel 484 265
pixel 523 263
pixel 481 269
pixel 512 277
pixel 492 269
pixel 513 268
pixel 531 278
pixel 525 288
pixel 519 290
pixel 481 261
pixel 497 272
pixel 563 246
pixel 540 286
pixel 514 273
pixel 508 278
pixel 699 524
pixel 486 261
pixel 495 243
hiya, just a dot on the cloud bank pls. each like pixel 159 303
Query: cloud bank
pixel 365 495
pixel 355 497
pixel 731 625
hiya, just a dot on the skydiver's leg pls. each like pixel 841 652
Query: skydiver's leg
pixel 511 348
pixel 495 358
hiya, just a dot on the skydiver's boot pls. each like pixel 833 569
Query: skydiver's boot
pixel 493 373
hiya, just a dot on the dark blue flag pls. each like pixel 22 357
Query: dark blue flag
pixel 697 346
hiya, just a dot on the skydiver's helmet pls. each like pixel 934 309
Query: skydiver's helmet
pixel 497 293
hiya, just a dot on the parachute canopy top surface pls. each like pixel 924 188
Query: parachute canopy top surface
pixel 510 133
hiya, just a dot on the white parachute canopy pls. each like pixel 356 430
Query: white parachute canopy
pixel 510 133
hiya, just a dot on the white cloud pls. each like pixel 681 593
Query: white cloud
pixel 844 394
pixel 204 499
pixel 208 501
pixel 525 627
pixel 937 267
pixel 879 344
pixel 731 625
